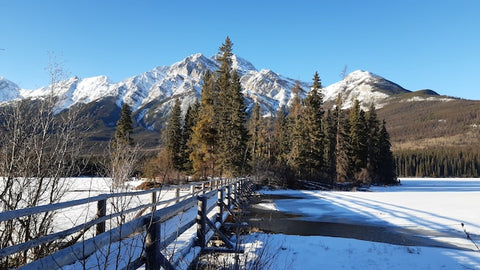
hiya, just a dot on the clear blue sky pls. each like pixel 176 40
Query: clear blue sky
pixel 416 43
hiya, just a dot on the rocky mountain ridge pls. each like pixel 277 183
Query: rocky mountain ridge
pixel 152 93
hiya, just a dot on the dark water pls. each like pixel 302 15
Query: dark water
pixel 272 221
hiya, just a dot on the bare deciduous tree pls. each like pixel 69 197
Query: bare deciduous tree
pixel 38 148
pixel 124 159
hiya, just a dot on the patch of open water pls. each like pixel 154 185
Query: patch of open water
pixel 274 221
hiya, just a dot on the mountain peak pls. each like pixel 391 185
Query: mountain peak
pixel 193 65
pixel 241 65
pixel 364 86
pixel 8 90
pixel 359 74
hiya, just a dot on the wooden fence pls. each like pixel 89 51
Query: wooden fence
pixel 229 193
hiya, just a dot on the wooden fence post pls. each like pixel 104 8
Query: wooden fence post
pixel 235 191
pixel 101 212
pixel 177 194
pixel 201 221
pixel 192 190
pixel 229 196
pixel 203 188
pixel 152 246
pixel 154 200
pixel 220 205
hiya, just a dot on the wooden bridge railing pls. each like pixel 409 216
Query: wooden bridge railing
pixel 228 193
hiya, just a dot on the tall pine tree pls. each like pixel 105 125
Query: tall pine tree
pixel 281 143
pixel 175 145
pixel 191 118
pixel 233 133
pixel 343 162
pixel 254 131
pixel 204 140
pixel 358 140
pixel 313 128
pixel 386 163
pixel 124 129
pixel 330 128
pixel 373 151
pixel 298 133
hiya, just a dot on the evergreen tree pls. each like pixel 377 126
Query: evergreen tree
pixel 124 129
pixel 233 133
pixel 266 141
pixel 191 118
pixel 373 149
pixel 386 164
pixel 342 146
pixel 175 146
pixel 261 141
pixel 358 139
pixel 254 131
pixel 124 155
pixel 281 140
pixel 222 91
pixel 330 128
pixel 203 143
pixel 298 131
pixel 313 128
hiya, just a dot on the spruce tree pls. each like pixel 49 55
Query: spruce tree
pixel 234 143
pixel 124 129
pixel 386 164
pixel 175 146
pixel 373 151
pixel 254 126
pixel 203 143
pixel 191 118
pixel 233 133
pixel 222 91
pixel 313 125
pixel 299 136
pixel 124 155
pixel 330 128
pixel 281 143
pixel 342 146
pixel 358 139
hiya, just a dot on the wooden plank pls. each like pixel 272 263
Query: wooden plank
pixel 4 216
pixel 84 249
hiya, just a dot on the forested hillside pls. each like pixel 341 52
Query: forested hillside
pixel 433 137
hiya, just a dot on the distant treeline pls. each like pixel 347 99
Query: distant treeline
pixel 438 163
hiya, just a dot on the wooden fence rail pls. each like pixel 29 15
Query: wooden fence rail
pixel 149 224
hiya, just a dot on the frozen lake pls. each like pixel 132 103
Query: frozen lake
pixel 420 215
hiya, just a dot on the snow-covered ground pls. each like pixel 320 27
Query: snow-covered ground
pixel 435 208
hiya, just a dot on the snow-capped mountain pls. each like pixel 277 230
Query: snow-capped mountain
pixel 8 90
pixel 152 94
pixel 363 86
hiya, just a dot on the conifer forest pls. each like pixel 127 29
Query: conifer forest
pixel 217 138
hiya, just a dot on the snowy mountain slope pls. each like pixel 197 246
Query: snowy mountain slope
pixel 364 86
pixel 270 90
pixel 8 90
pixel 152 94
